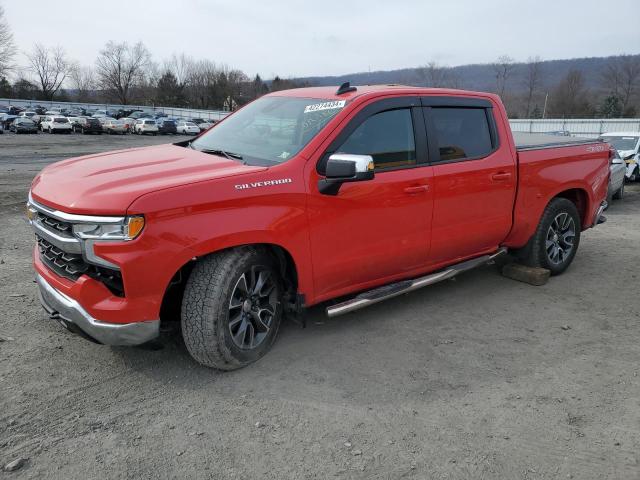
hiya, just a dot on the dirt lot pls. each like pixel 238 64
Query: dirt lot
pixel 481 377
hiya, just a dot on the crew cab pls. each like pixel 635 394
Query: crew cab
pixel 298 198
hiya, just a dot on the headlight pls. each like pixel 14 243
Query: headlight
pixel 128 230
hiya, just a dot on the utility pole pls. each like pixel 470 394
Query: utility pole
pixel 544 110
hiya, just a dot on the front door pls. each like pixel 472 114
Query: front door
pixel 376 230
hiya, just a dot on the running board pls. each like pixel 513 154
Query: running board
pixel 391 290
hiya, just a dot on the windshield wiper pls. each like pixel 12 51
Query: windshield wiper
pixel 216 151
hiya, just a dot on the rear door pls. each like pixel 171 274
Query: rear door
pixel 380 228
pixel 474 177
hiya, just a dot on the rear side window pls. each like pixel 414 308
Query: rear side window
pixel 462 132
pixel 387 137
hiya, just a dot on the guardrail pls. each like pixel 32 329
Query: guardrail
pixel 586 127
pixel 171 111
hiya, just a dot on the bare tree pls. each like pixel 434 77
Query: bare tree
pixel 503 69
pixel 438 76
pixel 121 68
pixel 621 77
pixel 50 67
pixel 180 66
pixel 533 80
pixel 83 81
pixel 571 97
pixel 7 47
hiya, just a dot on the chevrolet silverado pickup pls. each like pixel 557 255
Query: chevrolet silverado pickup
pixel 302 197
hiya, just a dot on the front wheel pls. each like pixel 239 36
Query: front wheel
pixel 555 243
pixel 232 308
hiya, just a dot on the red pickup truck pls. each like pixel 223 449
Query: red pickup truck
pixel 301 197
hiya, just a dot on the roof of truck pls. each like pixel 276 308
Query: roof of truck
pixel 330 92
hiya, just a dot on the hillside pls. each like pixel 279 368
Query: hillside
pixel 480 76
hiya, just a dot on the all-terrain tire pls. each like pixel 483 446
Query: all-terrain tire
pixel 537 251
pixel 205 313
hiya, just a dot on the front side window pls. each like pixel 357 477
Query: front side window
pixel 387 137
pixel 270 130
pixel 462 132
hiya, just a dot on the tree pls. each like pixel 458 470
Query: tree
pixel 503 68
pixel 7 47
pixel 258 87
pixel 23 88
pixel 437 76
pixel 121 68
pixel 169 92
pixel 570 97
pixel 83 81
pixel 50 67
pixel 533 81
pixel 611 107
pixel 621 78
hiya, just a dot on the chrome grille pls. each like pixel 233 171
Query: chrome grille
pixel 54 224
pixel 65 264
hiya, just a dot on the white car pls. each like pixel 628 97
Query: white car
pixel 33 116
pixel 55 123
pixel 145 125
pixel 187 128
pixel 628 146
pixel 112 126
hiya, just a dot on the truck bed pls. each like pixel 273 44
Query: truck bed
pixel 534 141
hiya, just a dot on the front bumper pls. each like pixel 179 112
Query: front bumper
pixel 72 316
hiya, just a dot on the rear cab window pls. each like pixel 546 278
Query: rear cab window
pixel 462 133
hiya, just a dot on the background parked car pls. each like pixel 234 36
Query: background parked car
pixel 166 126
pixel 128 123
pixel 86 125
pixel 54 123
pixel 628 146
pixel 187 128
pixel 617 170
pixel 112 126
pixel 146 126
pixel 23 125
pixel 6 120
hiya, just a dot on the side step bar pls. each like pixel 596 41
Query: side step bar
pixel 391 290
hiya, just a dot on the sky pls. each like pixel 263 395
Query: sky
pixel 306 38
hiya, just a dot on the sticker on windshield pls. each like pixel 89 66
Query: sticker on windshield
pixel 316 107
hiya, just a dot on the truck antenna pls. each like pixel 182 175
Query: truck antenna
pixel 345 88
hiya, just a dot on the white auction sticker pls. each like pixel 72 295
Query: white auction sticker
pixel 316 107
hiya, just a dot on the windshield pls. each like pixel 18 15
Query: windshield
pixel 622 143
pixel 270 130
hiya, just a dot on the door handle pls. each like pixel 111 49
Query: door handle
pixel 501 176
pixel 416 189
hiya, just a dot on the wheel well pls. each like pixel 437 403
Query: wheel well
pixel 172 299
pixel 579 199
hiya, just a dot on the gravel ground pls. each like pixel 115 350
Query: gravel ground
pixel 481 377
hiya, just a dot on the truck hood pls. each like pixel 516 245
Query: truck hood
pixel 107 183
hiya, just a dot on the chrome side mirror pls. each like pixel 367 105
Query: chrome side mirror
pixel 343 168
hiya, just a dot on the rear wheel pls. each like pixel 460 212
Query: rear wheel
pixel 232 308
pixel 557 237
pixel 619 195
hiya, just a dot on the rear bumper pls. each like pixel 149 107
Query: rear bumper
pixel 71 314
